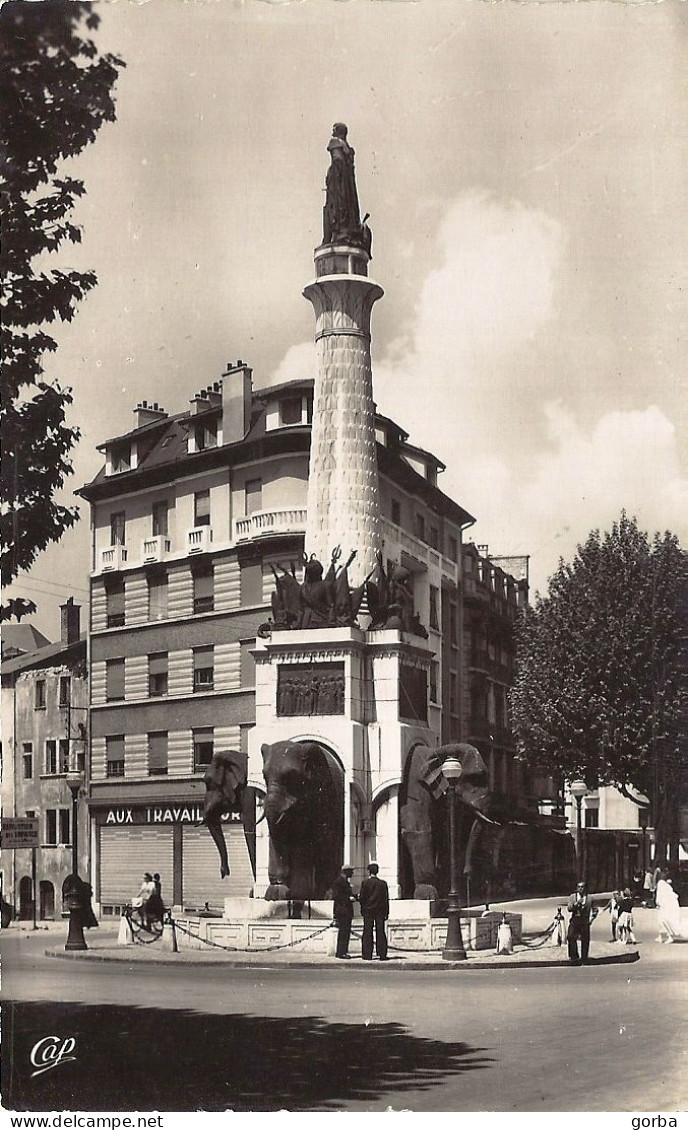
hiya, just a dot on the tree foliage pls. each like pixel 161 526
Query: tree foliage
pixel 55 92
pixel 600 690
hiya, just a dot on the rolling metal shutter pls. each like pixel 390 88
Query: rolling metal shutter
pixel 125 853
pixel 201 880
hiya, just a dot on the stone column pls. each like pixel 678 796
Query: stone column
pixel 343 498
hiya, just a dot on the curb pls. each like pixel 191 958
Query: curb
pixel 369 967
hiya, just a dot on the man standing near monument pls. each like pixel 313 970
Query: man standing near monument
pixel 374 899
pixel 343 909
pixel 582 913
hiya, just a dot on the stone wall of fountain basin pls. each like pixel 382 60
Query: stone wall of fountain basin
pixel 254 925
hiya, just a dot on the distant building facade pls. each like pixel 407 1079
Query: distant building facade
pixel 45 738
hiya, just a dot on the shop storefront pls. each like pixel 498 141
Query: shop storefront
pixel 132 839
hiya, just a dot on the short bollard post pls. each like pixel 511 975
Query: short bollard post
pixel 559 929
pixel 126 934
pixel 505 941
pixel 169 937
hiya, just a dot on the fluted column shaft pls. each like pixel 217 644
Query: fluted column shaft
pixel 343 496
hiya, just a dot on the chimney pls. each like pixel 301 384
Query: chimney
pixel 236 402
pixel 70 621
pixel 146 413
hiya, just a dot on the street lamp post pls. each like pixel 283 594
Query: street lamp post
pixel 454 948
pixel 643 820
pixel 75 938
pixel 578 790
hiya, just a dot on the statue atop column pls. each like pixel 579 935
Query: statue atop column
pixel 341 214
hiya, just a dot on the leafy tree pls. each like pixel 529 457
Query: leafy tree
pixel 600 691
pixel 55 93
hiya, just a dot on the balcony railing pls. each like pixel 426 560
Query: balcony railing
pixel 113 558
pixel 285 520
pixel 199 539
pixel 155 548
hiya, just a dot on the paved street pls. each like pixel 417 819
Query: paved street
pixel 348 1037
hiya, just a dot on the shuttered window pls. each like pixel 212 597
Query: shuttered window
pixel 202 508
pixel 114 753
pixel 157 753
pixel 157 674
pixel 157 597
pixel 114 596
pixel 203 668
pixel 204 590
pixel 114 672
pixel 248 663
pixel 203 741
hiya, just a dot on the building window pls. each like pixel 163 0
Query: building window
pixel 433 681
pixel 51 757
pixel 114 754
pixel 202 508
pixel 160 519
pixel 251 584
pixel 453 693
pixel 396 512
pixel 65 690
pixel 39 694
pixel 157 597
pixel 27 760
pixel 452 549
pixel 205 433
pixel 114 598
pixel 57 826
pixel 453 625
pixel 434 607
pixel 203 668
pixel 253 496
pixel 290 411
pixel 248 664
pixel 419 527
pixel 203 590
pixel 121 459
pixel 157 674
pixel 63 755
pixel 114 680
pixel 202 747
pixel 118 527
pixel 591 817
pixel 434 537
pixel 157 754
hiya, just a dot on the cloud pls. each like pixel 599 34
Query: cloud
pixel 299 362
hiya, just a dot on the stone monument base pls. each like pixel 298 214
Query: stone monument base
pixel 254 925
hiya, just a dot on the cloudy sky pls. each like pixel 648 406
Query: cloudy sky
pixel 524 167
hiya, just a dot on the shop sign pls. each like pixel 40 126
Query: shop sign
pixel 131 815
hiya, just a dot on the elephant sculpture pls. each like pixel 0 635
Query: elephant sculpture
pixel 423 818
pixel 226 791
pixel 304 809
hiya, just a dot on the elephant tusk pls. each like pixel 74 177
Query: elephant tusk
pixel 260 819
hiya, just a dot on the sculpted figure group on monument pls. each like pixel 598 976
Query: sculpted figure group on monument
pixel 329 601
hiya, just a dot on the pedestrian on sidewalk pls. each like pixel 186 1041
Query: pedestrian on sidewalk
pixel 343 910
pixel 614 908
pixel 668 910
pixel 582 913
pixel 624 928
pixel 648 889
pixel 156 907
pixel 140 901
pixel 374 899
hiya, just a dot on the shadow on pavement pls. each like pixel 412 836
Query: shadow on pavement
pixel 148 1059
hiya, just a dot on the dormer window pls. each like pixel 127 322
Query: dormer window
pixel 120 458
pixel 291 411
pixel 205 433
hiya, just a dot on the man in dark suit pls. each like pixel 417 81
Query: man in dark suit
pixel 374 899
pixel 343 909
pixel 581 914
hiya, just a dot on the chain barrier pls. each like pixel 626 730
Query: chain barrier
pixel 247 949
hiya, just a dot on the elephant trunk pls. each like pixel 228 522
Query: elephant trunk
pixel 215 829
